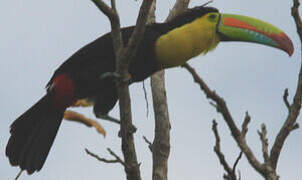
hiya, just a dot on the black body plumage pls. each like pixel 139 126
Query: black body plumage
pixel 33 133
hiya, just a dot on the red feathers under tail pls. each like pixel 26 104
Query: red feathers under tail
pixel 33 133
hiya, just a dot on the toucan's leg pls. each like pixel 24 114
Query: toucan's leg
pixel 107 117
pixel 105 102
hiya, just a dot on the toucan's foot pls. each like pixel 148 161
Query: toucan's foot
pixel 114 75
pixel 132 130
pixel 127 78
pixel 83 103
pixel 107 75
pixel 108 118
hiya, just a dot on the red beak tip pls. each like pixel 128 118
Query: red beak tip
pixel 290 49
pixel 290 53
pixel 285 43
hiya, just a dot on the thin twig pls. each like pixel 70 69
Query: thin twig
pixel 244 127
pixel 285 99
pixel 213 104
pixel 264 142
pixel 179 7
pixel 101 159
pixel 148 142
pixel 231 172
pixel 106 9
pixel 295 126
pixel 113 5
pixel 116 160
pixel 19 174
pixel 139 29
pixel 112 15
pixel 297 17
pixel 209 2
pixel 236 162
pixel 117 157
pixel 146 99
pixel 217 150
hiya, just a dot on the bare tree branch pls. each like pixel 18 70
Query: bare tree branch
pixel 285 99
pixel 123 57
pixel 218 151
pixel 116 160
pixel 223 109
pixel 161 142
pixel 297 17
pixel 146 98
pixel 209 2
pixel 294 110
pixel 19 174
pixel 112 15
pixel 264 142
pixel 122 63
pixel 179 7
pixel 236 162
pixel 231 172
pixel 149 143
pixel 245 123
pixel 139 29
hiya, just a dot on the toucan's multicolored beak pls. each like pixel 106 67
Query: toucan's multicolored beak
pixel 242 28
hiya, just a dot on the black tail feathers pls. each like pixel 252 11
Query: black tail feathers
pixel 32 135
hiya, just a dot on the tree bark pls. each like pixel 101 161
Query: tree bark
pixel 123 56
pixel 161 142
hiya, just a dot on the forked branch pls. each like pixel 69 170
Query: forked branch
pixel 123 56
pixel 268 168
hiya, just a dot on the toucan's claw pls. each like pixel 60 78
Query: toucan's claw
pixel 110 75
pixel 114 75
pixel 127 78
pixel 108 118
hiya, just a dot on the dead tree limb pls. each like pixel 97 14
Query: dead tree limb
pixel 222 108
pixel 268 168
pixel 294 109
pixel 231 172
pixel 161 142
pixel 264 169
pixel 116 160
pixel 123 56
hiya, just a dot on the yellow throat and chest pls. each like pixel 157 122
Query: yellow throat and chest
pixel 181 44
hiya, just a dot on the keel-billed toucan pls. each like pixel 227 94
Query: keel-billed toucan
pixel 164 45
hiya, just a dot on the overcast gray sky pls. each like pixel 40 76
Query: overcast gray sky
pixel 37 36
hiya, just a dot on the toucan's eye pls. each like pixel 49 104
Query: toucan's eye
pixel 212 16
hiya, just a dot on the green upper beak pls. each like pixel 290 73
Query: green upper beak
pixel 242 28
